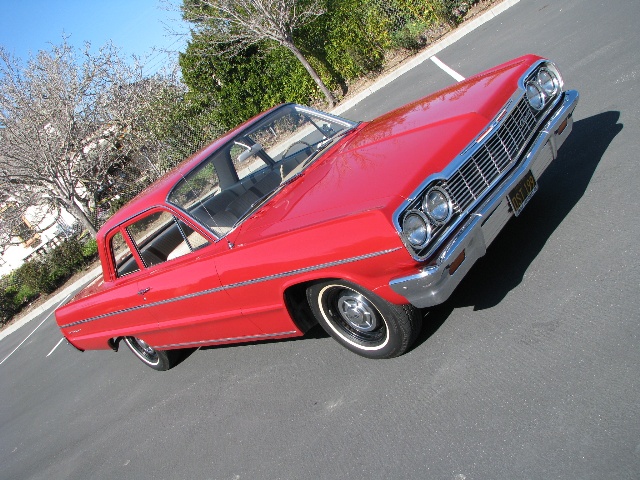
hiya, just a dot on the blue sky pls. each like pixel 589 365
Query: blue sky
pixel 134 26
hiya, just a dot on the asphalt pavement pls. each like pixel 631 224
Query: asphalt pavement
pixel 530 370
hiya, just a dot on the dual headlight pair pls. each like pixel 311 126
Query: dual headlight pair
pixel 543 87
pixel 417 225
pixel 436 208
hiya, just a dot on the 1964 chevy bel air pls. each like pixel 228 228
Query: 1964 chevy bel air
pixel 299 217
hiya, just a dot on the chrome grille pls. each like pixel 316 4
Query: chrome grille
pixel 481 166
pixel 492 158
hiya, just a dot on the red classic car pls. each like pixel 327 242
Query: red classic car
pixel 299 217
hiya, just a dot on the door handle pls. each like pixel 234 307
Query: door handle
pixel 143 291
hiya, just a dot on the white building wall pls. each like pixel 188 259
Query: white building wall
pixel 14 255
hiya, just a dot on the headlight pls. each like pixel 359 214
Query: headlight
pixel 535 96
pixel 548 82
pixel 543 86
pixel 416 229
pixel 437 206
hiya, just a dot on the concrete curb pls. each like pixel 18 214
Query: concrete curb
pixel 443 43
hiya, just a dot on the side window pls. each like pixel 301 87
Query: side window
pixel 122 257
pixel 160 236
pixel 193 239
pixel 197 186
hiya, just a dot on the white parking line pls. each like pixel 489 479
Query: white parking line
pixel 447 69
pixel 54 348
pixel 34 331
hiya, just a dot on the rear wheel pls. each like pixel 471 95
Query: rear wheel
pixel 362 321
pixel 156 359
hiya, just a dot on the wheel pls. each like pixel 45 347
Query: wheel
pixel 156 359
pixel 362 321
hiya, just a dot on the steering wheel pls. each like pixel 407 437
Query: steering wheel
pixel 284 155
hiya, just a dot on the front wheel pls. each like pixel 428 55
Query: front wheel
pixel 156 359
pixel 362 321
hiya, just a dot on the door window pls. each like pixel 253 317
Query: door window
pixel 158 237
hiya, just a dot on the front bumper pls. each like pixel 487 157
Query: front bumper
pixel 434 283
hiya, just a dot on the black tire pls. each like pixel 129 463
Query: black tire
pixel 157 359
pixel 362 321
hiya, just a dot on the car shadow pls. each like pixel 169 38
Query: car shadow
pixel 560 189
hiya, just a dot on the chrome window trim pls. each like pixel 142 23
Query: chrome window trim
pixel 327 116
pixel 476 144
pixel 236 285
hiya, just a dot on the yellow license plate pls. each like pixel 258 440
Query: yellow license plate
pixel 520 195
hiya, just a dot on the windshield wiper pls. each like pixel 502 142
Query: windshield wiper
pixel 323 145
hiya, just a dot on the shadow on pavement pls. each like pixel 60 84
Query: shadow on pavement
pixel 560 189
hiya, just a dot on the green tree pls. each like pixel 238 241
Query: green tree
pixel 229 90
pixel 235 25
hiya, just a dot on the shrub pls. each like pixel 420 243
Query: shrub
pixel 411 36
pixel 31 275
pixel 22 295
pixel 454 11
pixel 90 249
pixel 7 301
pixel 43 275
pixel 349 40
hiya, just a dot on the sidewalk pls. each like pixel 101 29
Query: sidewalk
pixel 443 43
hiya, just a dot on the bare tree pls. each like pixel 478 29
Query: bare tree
pixel 241 23
pixel 67 119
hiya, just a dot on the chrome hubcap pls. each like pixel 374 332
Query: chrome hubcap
pixel 145 346
pixel 357 312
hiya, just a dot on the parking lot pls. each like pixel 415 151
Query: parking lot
pixel 530 370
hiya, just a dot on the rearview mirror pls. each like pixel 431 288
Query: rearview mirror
pixel 250 150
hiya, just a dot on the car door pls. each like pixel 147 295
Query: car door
pixel 115 308
pixel 180 288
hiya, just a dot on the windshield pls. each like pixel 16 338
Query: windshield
pixel 238 177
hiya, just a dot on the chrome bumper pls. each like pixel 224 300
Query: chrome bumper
pixel 434 284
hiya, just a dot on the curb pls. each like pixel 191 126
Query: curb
pixel 443 43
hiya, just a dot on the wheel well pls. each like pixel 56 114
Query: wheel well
pixel 114 343
pixel 295 298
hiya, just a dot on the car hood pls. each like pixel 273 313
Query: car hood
pixel 382 162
